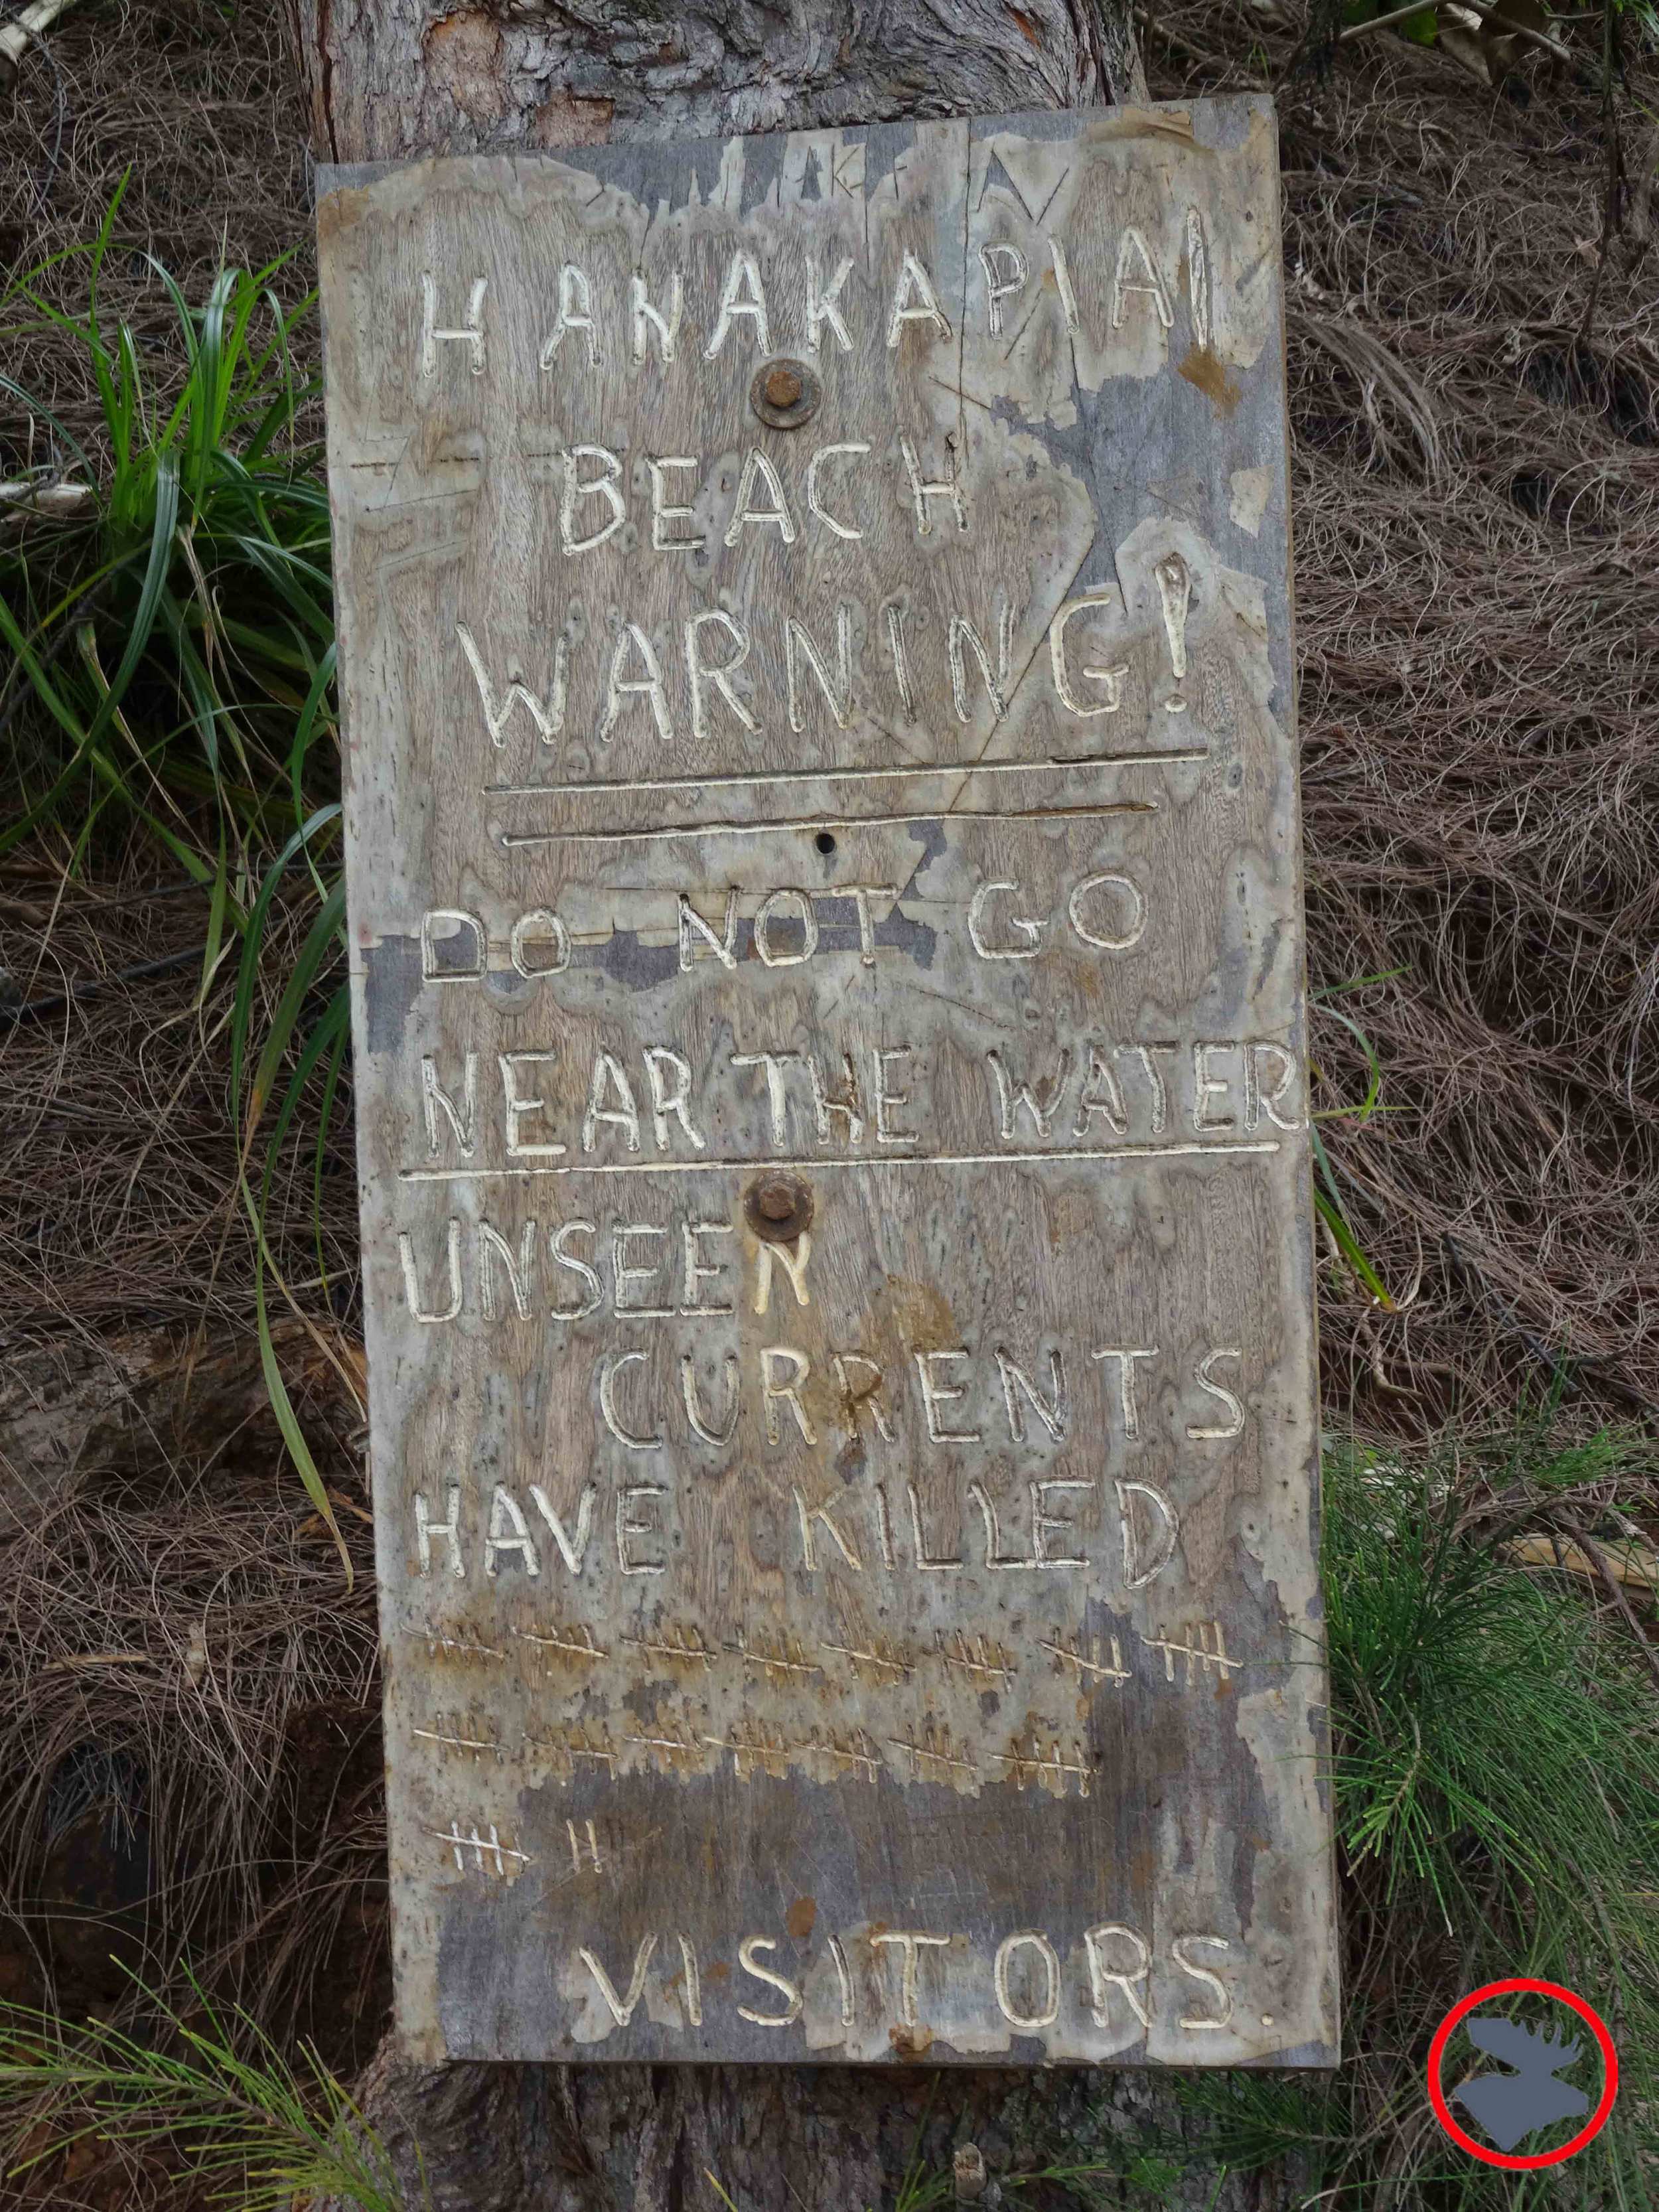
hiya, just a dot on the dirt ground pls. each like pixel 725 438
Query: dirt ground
pixel 1475 408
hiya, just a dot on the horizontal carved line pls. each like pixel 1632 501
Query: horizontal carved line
pixel 849 774
pixel 809 1163
pixel 511 840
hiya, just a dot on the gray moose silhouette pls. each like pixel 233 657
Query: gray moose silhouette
pixel 1510 2107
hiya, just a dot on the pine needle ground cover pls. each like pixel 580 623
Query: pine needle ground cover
pixel 188 1725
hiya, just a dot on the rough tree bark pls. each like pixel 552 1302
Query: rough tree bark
pixel 392 78
pixel 389 79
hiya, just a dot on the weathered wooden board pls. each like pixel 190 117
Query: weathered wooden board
pixel 828 970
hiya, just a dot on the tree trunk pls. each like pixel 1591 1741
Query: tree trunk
pixel 392 79
pixel 388 79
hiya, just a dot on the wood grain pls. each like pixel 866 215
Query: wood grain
pixel 900 1639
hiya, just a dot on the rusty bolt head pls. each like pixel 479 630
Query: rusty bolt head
pixel 779 1207
pixel 776 1201
pixel 785 394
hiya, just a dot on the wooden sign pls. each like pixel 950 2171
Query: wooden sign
pixel 830 1082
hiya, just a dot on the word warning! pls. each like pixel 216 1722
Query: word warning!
pixel 832 1094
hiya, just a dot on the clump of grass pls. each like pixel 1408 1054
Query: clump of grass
pixel 1497 1791
pixel 172 676
pixel 232 2114
pixel 1498 1744
pixel 177 626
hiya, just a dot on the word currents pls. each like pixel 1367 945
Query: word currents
pixel 832 1094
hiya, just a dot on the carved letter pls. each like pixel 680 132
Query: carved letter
pixel 508 1531
pixel 743 296
pixel 1042 1521
pixel 774 903
pixel 777 1098
pixel 470 335
pixel 1063 285
pixel 815 498
pixel 627 1527
pixel 1206 1086
pixel 699 673
pixel 631 638
pixel 607 1070
pixel 576 489
pixel 793 1259
pixel 961 632
pixel 622 1271
pixel 798 644
pixel 1028 1939
pixel 572 1549
pixel 1042 1105
pixel 757 464
pixel 1051 1412
pixel 887 1101
pixel 539 922
pixel 694 1271
pixel 921 489
pixel 426 1531
pixel 661 1061
pixel 1126 1357
pixel 909 1942
pixel 821 305
pixel 575 313
pixel 914 301
pixel 934 1394
pixel 547 715
pixel 411 1284
pixel 1136 1576
pixel 1160 1096
pixel 1258 1101
pixel 595 1296
pixel 1032 931
pixel 790 1994
pixel 661 512
pixel 694 1413
pixel 1103 1979
pixel 621 2009
pixel 1178 1951
pixel 724 946
pixel 516 1106
pixel 462 1119
pixel 925 1559
pixel 1219 1391
pixel 1111 677
pixel 436 970
pixel 1134 919
pixel 1198 279
pixel 797 1367
pixel 1100 1095
pixel 610 1368
pixel 688 1961
pixel 492 1247
pixel 1005 270
pixel 868 1394
pixel 808 1515
pixel 995 1559
pixel 1132 247
pixel 646 318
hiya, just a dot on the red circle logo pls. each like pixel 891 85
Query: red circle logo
pixel 1515 2162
